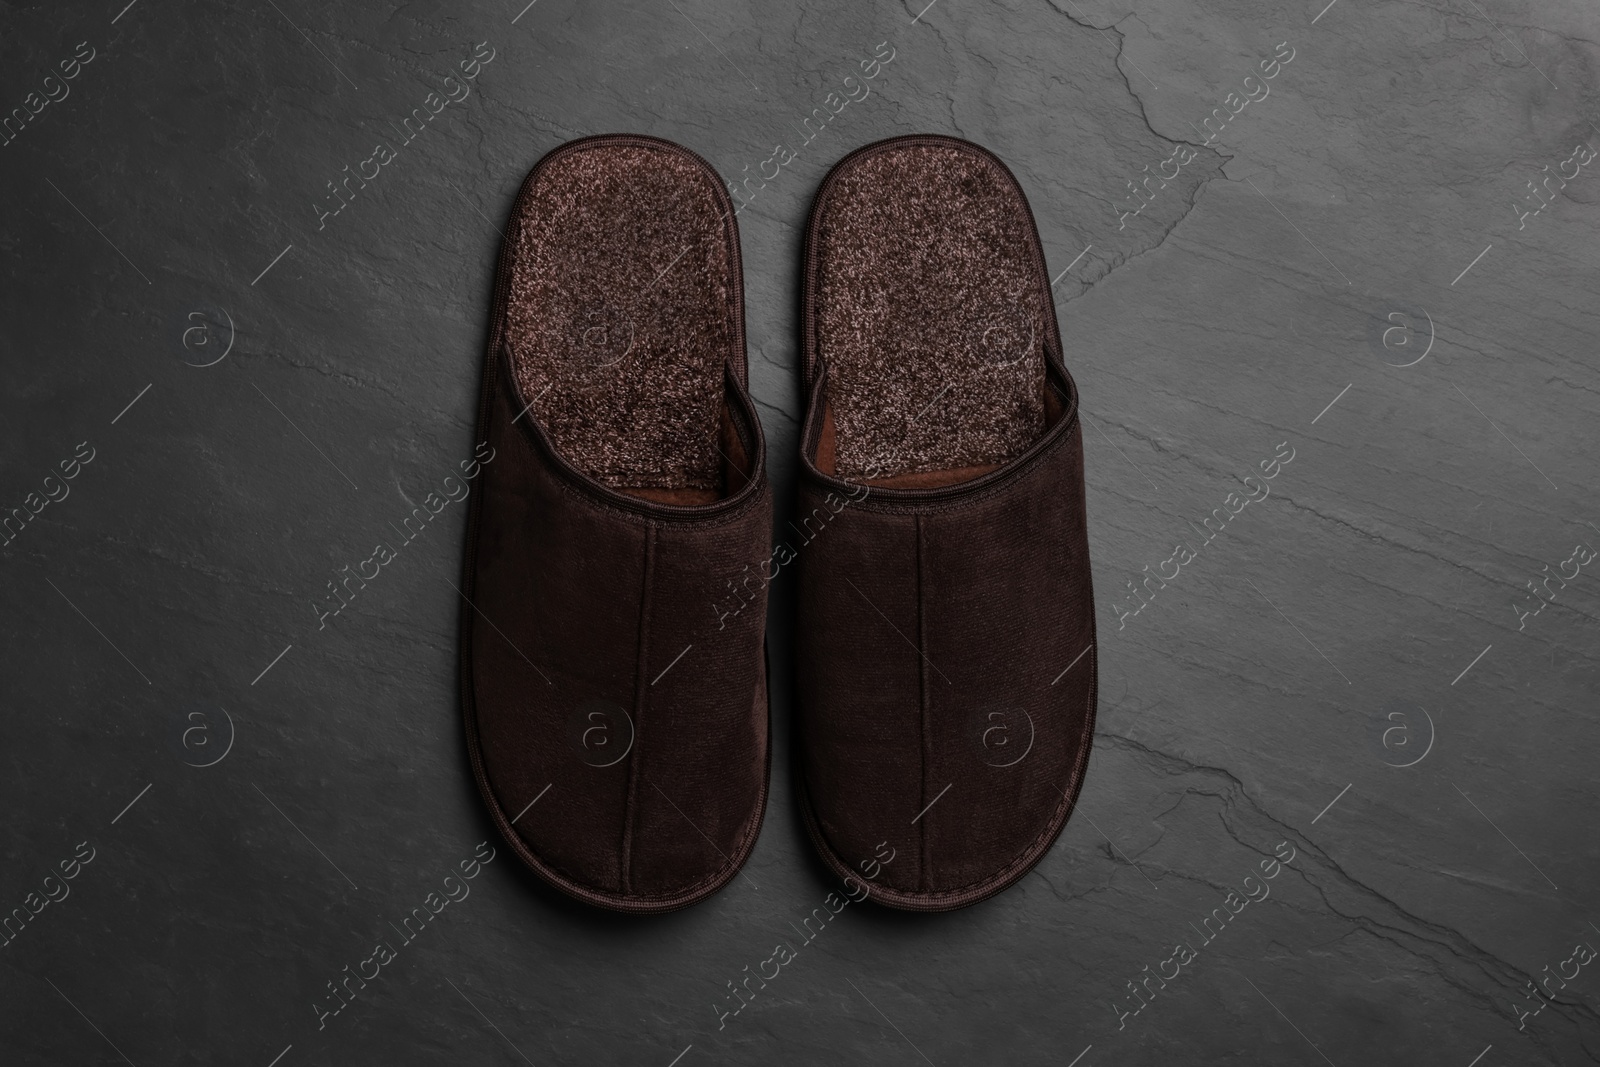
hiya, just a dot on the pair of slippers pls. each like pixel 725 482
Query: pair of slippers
pixel 619 552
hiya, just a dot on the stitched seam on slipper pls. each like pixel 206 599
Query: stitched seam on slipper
pixel 1052 826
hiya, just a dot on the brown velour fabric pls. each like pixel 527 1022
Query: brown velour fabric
pixel 616 721
pixel 945 654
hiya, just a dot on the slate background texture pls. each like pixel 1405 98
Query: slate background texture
pixel 1344 269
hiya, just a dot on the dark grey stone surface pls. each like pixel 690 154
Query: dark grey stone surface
pixel 1342 271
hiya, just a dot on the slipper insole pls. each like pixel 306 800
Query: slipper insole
pixel 929 315
pixel 621 317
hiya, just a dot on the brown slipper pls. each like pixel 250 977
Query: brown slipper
pixel 617 724
pixel 945 662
